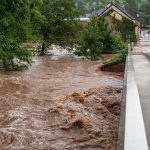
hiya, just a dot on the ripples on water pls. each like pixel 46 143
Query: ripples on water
pixel 38 110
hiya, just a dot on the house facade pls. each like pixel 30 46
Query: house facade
pixel 118 13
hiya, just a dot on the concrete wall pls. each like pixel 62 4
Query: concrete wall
pixel 132 135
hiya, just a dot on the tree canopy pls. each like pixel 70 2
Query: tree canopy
pixel 15 27
pixel 96 38
pixel 60 24
pixel 51 21
pixel 145 13
pixel 22 20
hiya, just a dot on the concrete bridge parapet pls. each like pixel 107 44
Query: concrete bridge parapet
pixel 132 133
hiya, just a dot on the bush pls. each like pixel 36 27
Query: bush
pixel 113 43
pixel 126 28
pixel 96 38
pixel 120 57
pixel 90 40
pixel 12 55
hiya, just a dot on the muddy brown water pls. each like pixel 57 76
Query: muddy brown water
pixel 59 103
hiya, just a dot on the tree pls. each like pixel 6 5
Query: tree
pixel 97 38
pixel 132 6
pixel 145 13
pixel 90 40
pixel 60 24
pixel 15 27
pixel 126 28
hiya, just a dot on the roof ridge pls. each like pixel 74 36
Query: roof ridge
pixel 121 9
pixel 124 10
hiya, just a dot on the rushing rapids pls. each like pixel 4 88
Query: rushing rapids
pixel 60 103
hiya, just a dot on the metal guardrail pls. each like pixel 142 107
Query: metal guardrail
pixel 132 135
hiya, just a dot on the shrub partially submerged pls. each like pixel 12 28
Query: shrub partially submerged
pixel 12 55
pixel 90 40
pixel 19 22
pixel 96 39
pixel 113 44
pixel 120 57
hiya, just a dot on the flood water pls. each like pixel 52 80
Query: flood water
pixel 59 103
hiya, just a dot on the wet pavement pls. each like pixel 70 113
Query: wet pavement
pixel 59 103
pixel 142 73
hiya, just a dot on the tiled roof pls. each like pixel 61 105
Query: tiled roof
pixel 124 11
pixel 102 10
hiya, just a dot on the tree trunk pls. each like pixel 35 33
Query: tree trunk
pixel 43 49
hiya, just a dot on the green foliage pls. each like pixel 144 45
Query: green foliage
pixel 60 24
pixel 113 43
pixel 15 26
pixel 120 57
pixel 126 29
pixel 13 56
pixel 132 6
pixel 14 16
pixel 140 9
pixel 90 40
pixel 37 19
pixel 145 14
pixel 97 38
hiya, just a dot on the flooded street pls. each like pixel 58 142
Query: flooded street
pixel 59 103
